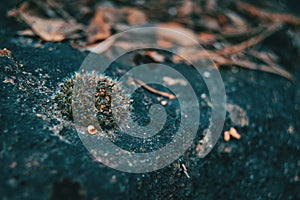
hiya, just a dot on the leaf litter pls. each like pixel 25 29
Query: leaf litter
pixel 232 34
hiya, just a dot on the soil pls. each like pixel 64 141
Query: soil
pixel 39 163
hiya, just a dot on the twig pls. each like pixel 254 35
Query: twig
pixel 222 60
pixel 243 33
pixel 154 91
pixel 264 15
pixel 252 41
pixel 272 64
pixel 185 170
pixel 254 66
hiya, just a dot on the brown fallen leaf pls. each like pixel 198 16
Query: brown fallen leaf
pixel 48 29
pixel 54 30
pixel 98 29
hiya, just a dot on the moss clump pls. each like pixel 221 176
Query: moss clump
pixel 105 90
pixel 63 98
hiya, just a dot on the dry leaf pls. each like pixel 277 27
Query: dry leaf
pixel 98 29
pixel 54 29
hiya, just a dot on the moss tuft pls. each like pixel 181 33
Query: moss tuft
pixel 105 90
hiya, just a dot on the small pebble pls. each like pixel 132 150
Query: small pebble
pixel 226 136
pixel 234 133
pixel 164 102
pixel 206 74
pixel 91 129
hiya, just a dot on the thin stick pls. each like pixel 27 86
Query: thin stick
pixel 272 64
pixel 185 170
pixel 253 66
pixel 252 41
pixel 154 91
pixel 264 15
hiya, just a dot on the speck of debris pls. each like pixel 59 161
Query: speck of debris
pixel 91 129
pixel 232 132
pixel 5 52
pixel 11 81
pixel 226 136
pixel 164 102
pixel 206 74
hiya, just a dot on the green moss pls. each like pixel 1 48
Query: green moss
pixel 106 88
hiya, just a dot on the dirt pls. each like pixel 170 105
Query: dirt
pixel 42 162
